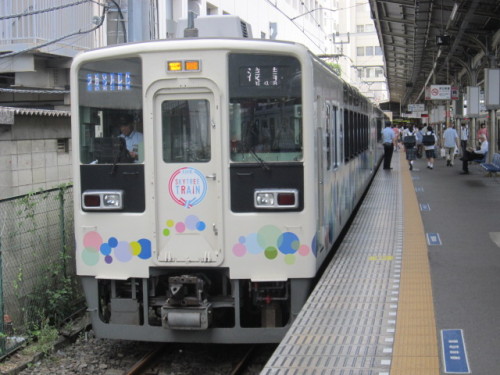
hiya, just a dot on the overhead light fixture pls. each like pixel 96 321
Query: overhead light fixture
pixel 454 11
pixel 443 40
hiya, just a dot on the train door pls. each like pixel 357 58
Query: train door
pixel 187 174
pixel 320 154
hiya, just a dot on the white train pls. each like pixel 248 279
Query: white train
pixel 211 224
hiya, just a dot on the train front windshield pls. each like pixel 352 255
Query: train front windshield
pixel 265 108
pixel 110 96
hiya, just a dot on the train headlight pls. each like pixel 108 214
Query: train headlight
pixel 276 198
pixel 263 199
pixel 102 200
pixel 112 200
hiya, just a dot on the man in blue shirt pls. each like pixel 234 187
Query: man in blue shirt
pixel 132 137
pixel 388 141
pixel 450 143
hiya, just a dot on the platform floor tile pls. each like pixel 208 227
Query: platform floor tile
pixel 349 322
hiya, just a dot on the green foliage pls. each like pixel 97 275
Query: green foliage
pixel 47 294
pixel 44 338
pixel 336 68
pixel 55 295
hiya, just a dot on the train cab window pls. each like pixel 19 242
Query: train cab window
pixel 265 108
pixel 110 112
pixel 186 131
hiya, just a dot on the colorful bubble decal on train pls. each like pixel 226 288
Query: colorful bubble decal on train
pixel 270 241
pixel 94 248
pixel 190 223
pixel 187 187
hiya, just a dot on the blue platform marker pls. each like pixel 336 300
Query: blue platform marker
pixel 433 239
pixel 425 207
pixel 454 352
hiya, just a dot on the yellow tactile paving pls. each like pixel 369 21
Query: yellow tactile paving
pixel 415 345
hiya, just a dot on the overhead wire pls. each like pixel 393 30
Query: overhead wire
pixel 79 32
pixel 31 13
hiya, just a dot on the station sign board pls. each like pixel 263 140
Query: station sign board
pixel 441 92
pixel 416 107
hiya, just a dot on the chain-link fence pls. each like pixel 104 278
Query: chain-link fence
pixel 38 284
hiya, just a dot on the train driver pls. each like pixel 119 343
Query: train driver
pixel 134 140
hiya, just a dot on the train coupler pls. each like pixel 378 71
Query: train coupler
pixel 186 307
pixel 186 318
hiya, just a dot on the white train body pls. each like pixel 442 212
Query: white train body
pixel 253 158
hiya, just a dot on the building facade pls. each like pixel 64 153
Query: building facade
pixel 362 58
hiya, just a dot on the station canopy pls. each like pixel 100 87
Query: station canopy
pixel 439 42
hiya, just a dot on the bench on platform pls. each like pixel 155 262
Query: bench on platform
pixel 482 159
pixel 494 166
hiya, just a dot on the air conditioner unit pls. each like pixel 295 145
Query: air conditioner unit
pixel 217 26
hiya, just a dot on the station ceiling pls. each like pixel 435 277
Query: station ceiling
pixel 440 42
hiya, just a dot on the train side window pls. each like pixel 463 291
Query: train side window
pixel 186 131
pixel 333 125
pixel 328 138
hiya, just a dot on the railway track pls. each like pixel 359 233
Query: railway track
pixel 164 358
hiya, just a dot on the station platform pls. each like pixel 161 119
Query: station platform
pixel 414 287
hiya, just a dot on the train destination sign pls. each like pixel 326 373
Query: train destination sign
pixel 118 81
pixel 262 76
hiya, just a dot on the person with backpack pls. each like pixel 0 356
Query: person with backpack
pixel 429 141
pixel 410 141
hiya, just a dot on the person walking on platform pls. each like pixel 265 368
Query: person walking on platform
pixel 388 140
pixel 450 143
pixel 429 141
pixel 397 134
pixel 470 155
pixel 410 141
pixel 464 137
pixel 420 147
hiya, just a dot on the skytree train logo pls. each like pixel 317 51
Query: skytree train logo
pixel 187 187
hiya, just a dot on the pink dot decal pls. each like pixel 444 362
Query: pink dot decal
pixel 180 227
pixel 239 250
pixel 92 239
pixel 304 250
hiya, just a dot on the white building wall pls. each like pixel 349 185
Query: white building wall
pixel 360 54
pixel 269 19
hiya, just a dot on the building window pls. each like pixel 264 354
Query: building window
pixel 360 51
pixel 369 28
pixel 117 23
pixel 378 51
pixel 369 51
pixel 379 72
pixel 360 28
pixel 63 145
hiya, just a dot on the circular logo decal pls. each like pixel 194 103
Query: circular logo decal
pixel 187 187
